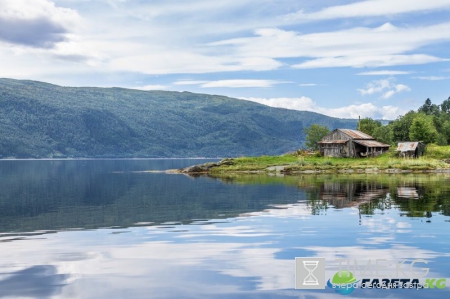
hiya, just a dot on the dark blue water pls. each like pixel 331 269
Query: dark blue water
pixel 120 229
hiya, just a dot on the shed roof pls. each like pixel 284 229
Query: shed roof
pixel 407 146
pixel 371 143
pixel 354 134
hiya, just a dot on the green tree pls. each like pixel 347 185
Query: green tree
pixel 368 125
pixel 423 129
pixel 446 131
pixel 441 139
pixel 400 127
pixel 383 134
pixel 314 134
pixel 429 109
pixel 445 106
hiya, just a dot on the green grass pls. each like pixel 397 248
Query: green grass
pixel 433 159
pixel 438 152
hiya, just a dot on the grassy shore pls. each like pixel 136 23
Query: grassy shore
pixel 301 162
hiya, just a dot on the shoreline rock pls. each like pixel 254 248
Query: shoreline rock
pixel 204 168
pixel 284 170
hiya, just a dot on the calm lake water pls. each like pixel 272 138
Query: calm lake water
pixel 121 229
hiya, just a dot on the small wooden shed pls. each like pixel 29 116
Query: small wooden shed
pixel 350 143
pixel 411 149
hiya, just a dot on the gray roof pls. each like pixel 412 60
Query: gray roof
pixel 371 143
pixel 354 134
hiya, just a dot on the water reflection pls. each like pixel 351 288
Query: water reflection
pixel 248 256
pixel 54 195
pixel 418 195
pixel 168 236
pixel 34 282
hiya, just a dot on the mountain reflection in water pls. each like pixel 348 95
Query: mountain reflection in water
pixel 110 229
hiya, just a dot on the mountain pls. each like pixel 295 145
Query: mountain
pixel 41 120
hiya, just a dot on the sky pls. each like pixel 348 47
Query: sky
pixel 342 58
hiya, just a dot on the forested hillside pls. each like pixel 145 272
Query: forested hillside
pixel 39 120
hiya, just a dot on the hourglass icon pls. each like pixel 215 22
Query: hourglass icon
pixel 310 279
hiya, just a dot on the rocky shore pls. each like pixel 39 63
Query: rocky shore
pixel 205 168
pixel 292 169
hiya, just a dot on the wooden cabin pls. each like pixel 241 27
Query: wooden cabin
pixel 350 143
pixel 411 149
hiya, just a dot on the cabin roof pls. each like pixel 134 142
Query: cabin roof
pixel 371 143
pixel 354 134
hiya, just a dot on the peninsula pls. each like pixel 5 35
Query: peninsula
pixel 436 159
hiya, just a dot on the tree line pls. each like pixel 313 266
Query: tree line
pixel 430 124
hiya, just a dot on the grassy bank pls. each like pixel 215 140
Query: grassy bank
pixel 434 159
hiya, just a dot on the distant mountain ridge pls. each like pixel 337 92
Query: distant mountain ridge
pixel 41 120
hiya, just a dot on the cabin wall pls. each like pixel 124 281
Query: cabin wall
pixel 420 149
pixel 337 149
pixel 351 152
pixel 333 150
pixel 408 154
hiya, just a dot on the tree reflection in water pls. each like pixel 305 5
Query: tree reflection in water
pixel 413 195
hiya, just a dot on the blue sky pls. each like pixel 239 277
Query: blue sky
pixel 373 58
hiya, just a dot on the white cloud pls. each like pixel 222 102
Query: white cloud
pixel 368 61
pixel 151 87
pixel 386 45
pixel 189 82
pixel 35 23
pixel 308 84
pixel 241 83
pixel 403 225
pixel 138 38
pixel 151 43
pixel 351 111
pixel 372 8
pixel 234 83
pixel 383 73
pixel 386 87
pixel 158 8
pixel 199 17
pixel 302 103
pixel 40 37
pixel 163 61
pixel 119 39
pixel 432 78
